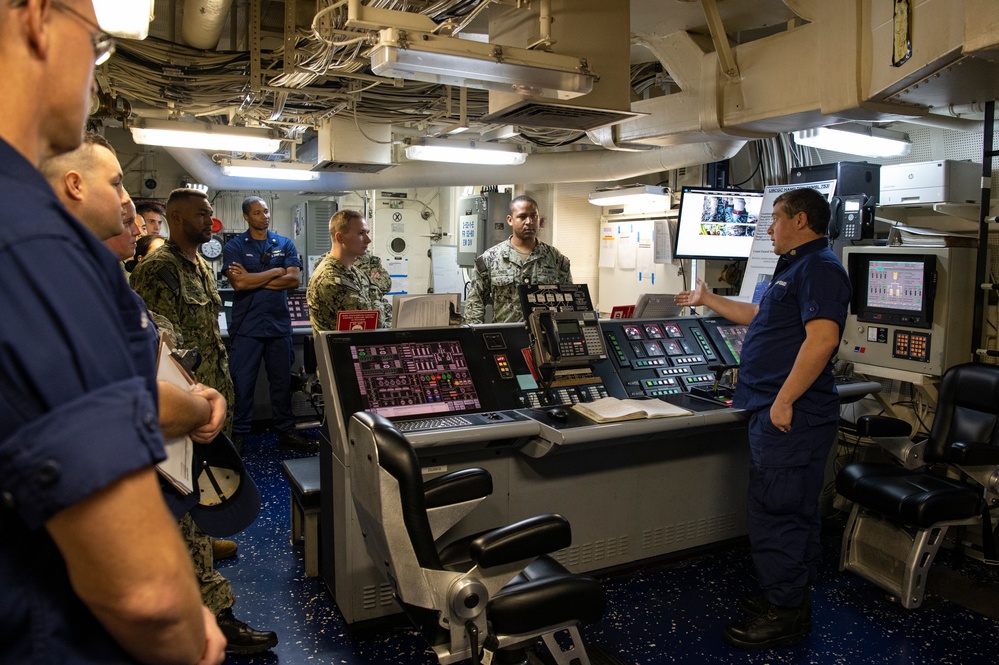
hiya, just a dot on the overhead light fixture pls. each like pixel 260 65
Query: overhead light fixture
pixel 125 18
pixel 204 136
pixel 464 152
pixel 249 168
pixel 466 63
pixel 197 186
pixel 642 197
pixel 856 139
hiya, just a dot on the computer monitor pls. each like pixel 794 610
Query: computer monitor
pixel 716 223
pixel 893 288
pixel 412 379
pixel 656 306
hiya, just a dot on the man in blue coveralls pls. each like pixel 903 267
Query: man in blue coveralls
pixel 787 388
pixel 261 266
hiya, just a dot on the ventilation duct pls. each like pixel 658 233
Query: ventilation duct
pixel 348 146
pixel 582 166
pixel 597 31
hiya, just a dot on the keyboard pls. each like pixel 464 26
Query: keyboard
pixel 432 423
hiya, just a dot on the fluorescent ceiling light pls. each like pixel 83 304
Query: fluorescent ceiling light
pixel 248 168
pixel 855 139
pixel 204 136
pixel 464 152
pixel 471 64
pixel 639 196
pixel 125 18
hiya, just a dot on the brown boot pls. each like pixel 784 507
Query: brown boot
pixel 223 549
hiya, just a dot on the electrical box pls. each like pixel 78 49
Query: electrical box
pixel 481 224
pixel 924 183
pixel 911 308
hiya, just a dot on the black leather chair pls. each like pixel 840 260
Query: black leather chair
pixel 901 516
pixel 496 589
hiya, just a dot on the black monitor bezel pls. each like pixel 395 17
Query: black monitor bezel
pixel 348 390
pixel 858 267
pixel 680 223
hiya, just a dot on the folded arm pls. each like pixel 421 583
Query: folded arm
pixel 291 279
pixel 242 280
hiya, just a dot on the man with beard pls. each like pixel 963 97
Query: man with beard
pixel 520 259
pixel 179 285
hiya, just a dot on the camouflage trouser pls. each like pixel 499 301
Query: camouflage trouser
pixel 216 591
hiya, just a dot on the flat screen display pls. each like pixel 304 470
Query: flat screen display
pixel 733 336
pixel 895 285
pixel 717 223
pixel 409 379
pixel 893 288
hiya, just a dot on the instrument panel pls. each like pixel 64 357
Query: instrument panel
pixel 656 358
pixel 429 375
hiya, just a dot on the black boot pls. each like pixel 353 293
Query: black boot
pixel 754 606
pixel 776 627
pixel 242 638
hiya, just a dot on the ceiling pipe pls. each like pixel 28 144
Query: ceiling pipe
pixel 945 122
pixel 582 166
pixel 203 22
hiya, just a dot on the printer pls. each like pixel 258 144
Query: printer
pixel 925 183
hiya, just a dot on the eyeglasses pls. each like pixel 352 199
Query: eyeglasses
pixel 102 43
pixel 265 258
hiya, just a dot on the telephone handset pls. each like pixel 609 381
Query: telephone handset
pixel 566 339
pixel 851 217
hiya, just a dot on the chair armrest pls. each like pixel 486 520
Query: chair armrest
pixel 524 540
pixel 968 453
pixel 879 426
pixel 458 487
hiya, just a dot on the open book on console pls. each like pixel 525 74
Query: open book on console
pixel 612 409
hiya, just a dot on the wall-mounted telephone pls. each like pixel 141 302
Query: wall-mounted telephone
pixel 566 339
pixel 851 217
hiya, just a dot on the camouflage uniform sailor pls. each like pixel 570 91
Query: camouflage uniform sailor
pixel 334 287
pixel 520 259
pixel 370 267
pixel 336 283
pixel 184 293
pixel 179 285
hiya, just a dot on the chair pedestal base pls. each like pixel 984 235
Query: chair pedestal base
pixel 892 556
pixel 575 652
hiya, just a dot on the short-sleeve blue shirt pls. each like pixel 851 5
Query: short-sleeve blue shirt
pixel 77 409
pixel 809 283
pixel 260 312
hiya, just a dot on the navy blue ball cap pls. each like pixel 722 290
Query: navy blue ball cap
pixel 228 499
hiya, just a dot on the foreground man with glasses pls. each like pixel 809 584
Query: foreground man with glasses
pixel 78 424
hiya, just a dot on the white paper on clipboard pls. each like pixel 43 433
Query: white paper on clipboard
pixel 178 467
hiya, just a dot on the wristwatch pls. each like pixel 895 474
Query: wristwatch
pixel 212 249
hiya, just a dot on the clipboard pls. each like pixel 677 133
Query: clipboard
pixel 178 467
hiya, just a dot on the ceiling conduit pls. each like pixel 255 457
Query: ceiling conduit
pixel 586 166
pixel 203 22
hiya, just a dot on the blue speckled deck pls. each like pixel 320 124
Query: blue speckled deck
pixel 671 613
